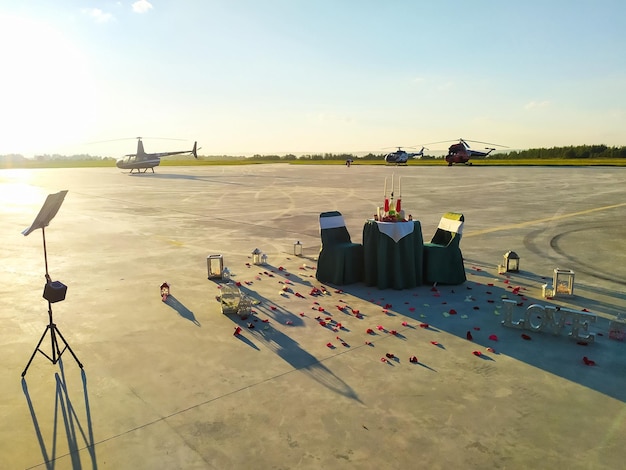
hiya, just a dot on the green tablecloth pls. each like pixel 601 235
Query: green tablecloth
pixel 390 264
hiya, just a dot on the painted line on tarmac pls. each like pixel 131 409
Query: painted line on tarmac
pixel 540 221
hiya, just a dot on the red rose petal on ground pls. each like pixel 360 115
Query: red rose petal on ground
pixel 493 337
pixel 411 309
pixel 330 345
pixel 382 359
pixel 588 361
pixel 413 359
pixel 380 327
pixel 477 353
pixel 424 325
pixel 435 343
pixel 266 320
pixel 526 337
pixel 491 350
pixel 237 331
pixel 370 331
pixel 468 335
pixel 404 323
pixel 393 332
pixel 477 328
pixel 390 355
pixel 452 311
pixel 356 312
pixel 322 323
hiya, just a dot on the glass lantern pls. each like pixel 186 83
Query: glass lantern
pixel 563 282
pixel 230 298
pixel 297 248
pixel 226 274
pixel 263 259
pixel 215 265
pixel 256 256
pixel 511 262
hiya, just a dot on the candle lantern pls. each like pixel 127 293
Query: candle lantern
pixel 297 248
pixel 226 274
pixel 215 266
pixel 256 256
pixel 511 262
pixel 245 307
pixel 263 259
pixel 230 298
pixel 563 282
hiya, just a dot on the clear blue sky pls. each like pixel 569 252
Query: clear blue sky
pixel 291 76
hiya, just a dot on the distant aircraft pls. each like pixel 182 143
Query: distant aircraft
pixel 461 151
pixel 401 157
pixel 142 160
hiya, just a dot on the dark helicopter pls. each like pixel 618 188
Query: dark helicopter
pixel 142 160
pixel 461 151
pixel 401 157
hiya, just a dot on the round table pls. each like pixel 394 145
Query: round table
pixel 393 254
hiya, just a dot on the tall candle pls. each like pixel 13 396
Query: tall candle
pixel 392 184
pixel 399 187
pixel 385 191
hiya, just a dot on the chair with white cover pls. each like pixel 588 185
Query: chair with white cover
pixel 443 260
pixel 340 261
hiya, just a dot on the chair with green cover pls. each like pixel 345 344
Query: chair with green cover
pixel 340 261
pixel 443 261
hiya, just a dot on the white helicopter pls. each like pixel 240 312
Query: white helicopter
pixel 401 157
pixel 144 161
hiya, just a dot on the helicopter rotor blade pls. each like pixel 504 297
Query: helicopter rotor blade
pixel 486 143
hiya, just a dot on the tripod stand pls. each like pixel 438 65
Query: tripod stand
pixel 56 350
pixel 53 291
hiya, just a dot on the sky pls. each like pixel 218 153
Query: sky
pixel 245 77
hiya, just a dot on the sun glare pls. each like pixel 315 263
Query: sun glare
pixel 45 86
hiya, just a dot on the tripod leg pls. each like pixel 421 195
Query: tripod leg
pixel 67 346
pixel 35 351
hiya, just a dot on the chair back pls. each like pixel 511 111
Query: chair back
pixel 450 227
pixel 333 229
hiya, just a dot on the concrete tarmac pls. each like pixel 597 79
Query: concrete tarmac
pixel 167 385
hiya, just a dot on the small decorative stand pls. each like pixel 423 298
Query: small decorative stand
pixel 230 298
pixel 245 307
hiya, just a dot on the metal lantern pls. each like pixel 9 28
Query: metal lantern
pixel 245 307
pixel 297 248
pixel 230 298
pixel 563 282
pixel 215 266
pixel 263 259
pixel 511 262
pixel 256 256
pixel 226 274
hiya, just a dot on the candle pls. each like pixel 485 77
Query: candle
pixel 399 187
pixel 385 191
pixel 392 185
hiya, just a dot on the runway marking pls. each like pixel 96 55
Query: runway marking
pixel 539 221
